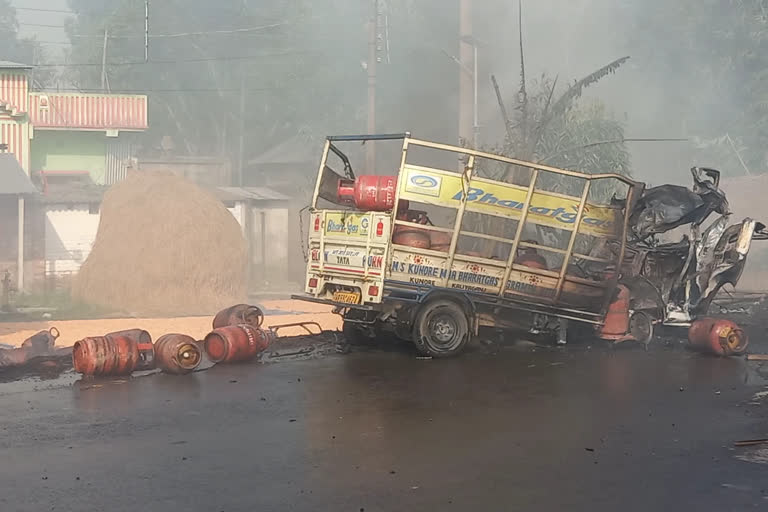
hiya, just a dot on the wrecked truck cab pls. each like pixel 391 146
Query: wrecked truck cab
pixel 677 281
pixel 666 207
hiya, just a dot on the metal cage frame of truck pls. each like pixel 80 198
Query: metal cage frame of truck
pixel 555 292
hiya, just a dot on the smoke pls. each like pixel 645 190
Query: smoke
pixel 659 93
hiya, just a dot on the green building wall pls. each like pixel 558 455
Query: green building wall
pixel 53 150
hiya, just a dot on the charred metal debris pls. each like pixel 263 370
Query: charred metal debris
pixel 675 282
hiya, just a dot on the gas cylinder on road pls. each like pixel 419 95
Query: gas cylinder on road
pixel 369 192
pixel 717 336
pixel 616 325
pixel 117 353
pixel 177 354
pixel 239 314
pixel 236 343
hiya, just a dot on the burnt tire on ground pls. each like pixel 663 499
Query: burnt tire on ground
pixel 441 329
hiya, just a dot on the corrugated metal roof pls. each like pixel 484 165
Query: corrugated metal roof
pixel 88 111
pixel 6 64
pixel 13 179
pixel 249 194
pixel 73 192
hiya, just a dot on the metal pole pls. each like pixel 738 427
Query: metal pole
pixel 370 156
pixel 146 30
pixel 20 260
pixel 104 61
pixel 465 80
pixel 241 145
pixel 476 127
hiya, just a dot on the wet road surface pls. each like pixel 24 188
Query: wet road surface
pixel 576 429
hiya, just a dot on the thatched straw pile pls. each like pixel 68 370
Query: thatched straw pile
pixel 164 247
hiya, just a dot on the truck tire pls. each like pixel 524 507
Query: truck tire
pixel 441 329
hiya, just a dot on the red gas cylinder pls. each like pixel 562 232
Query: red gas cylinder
pixel 144 342
pixel 439 241
pixel 369 192
pixel 616 324
pixel 177 353
pixel 236 343
pixel 239 314
pixel 717 336
pixel 117 355
pixel 532 260
pixel 411 237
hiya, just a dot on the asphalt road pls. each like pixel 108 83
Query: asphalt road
pixel 575 429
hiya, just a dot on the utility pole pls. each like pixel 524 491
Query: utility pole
pixel 475 118
pixel 20 253
pixel 104 61
pixel 370 156
pixel 241 145
pixel 146 30
pixel 467 52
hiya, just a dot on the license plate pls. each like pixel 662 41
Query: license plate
pixel 346 297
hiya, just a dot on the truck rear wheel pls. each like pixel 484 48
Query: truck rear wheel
pixel 441 329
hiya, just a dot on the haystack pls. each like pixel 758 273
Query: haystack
pixel 164 247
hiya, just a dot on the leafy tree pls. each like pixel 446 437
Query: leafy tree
pixel 17 49
pixel 283 55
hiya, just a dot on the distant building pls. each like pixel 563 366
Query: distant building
pixel 59 152
pixel 59 140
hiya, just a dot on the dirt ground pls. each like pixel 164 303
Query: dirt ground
pixel 277 312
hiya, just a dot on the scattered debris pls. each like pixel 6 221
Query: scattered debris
pixel 751 442
pixel 757 357
pixel 38 345
pixel 678 281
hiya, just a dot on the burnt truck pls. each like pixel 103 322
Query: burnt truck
pixel 458 240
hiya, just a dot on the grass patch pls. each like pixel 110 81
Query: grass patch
pixel 59 305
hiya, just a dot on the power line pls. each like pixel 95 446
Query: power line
pixel 159 36
pixel 37 9
pixel 41 25
pixel 62 43
pixel 175 61
pixel 201 33
pixel 143 91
